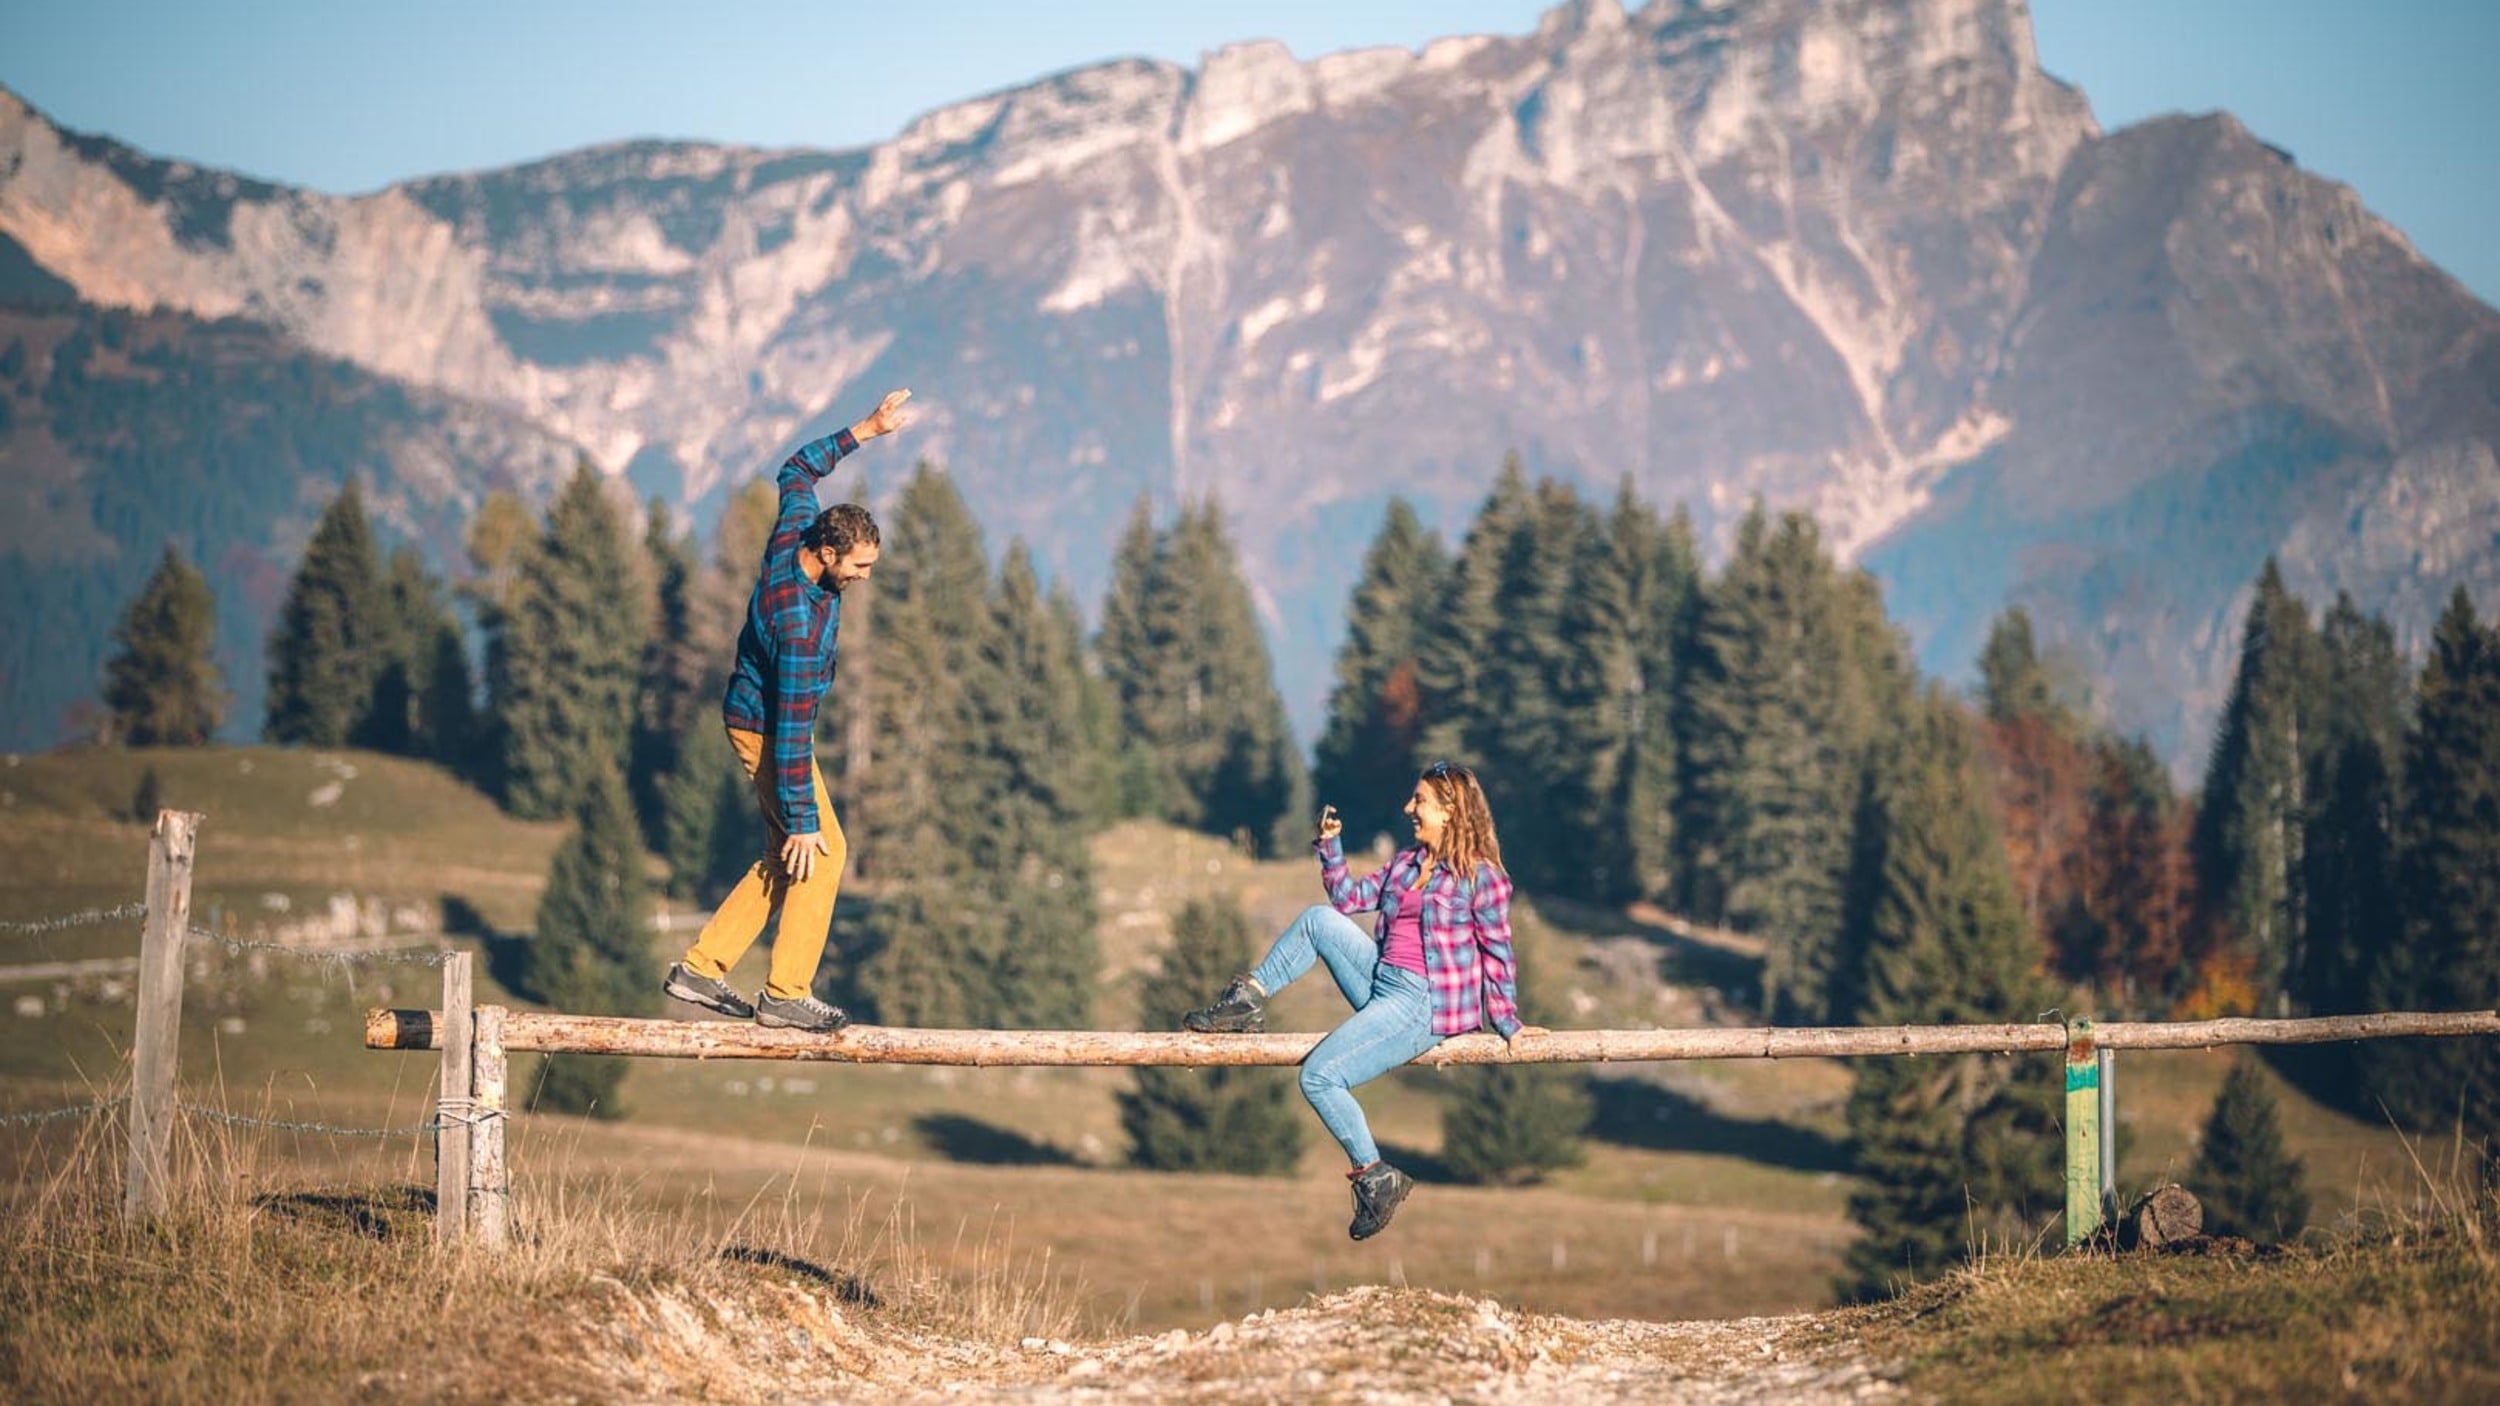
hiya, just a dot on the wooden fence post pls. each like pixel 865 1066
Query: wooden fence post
pixel 2109 1135
pixel 454 1109
pixel 2083 1133
pixel 490 1197
pixel 156 1041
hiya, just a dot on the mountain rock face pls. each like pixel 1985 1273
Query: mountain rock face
pixel 1861 257
pixel 121 432
pixel 2220 358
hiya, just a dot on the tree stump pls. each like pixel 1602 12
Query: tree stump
pixel 2161 1217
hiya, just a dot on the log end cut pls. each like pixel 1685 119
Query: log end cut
pixel 2160 1218
pixel 401 1030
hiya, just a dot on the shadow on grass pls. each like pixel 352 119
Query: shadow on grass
pixel 2332 1075
pixel 849 1288
pixel 959 1138
pixel 504 951
pixel 385 1214
pixel 1683 960
pixel 1419 1164
pixel 1636 1113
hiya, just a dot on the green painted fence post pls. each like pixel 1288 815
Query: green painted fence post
pixel 2083 1133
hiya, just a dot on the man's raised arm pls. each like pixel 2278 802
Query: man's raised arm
pixel 816 458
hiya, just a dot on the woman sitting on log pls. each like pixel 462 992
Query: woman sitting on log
pixel 1437 963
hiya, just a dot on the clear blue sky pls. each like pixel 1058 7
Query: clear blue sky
pixel 2398 97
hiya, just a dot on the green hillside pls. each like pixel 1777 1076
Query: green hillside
pixel 1709 1188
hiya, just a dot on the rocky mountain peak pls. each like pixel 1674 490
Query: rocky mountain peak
pixel 1862 257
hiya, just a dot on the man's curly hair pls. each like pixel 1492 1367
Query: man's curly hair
pixel 838 529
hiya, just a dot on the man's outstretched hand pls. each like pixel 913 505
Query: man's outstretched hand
pixel 799 854
pixel 885 419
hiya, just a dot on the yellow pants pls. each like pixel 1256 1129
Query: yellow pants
pixel 806 907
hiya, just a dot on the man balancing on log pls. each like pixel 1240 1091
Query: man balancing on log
pixel 785 661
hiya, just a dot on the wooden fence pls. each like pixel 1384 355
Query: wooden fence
pixel 2087 1049
pixel 473 1181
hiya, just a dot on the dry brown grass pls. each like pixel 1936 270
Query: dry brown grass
pixel 2403 1306
pixel 262 1286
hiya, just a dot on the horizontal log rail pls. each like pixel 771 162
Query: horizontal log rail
pixel 550 1033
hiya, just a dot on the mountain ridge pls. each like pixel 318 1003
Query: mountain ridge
pixel 1802 251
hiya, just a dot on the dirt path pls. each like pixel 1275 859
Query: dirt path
pixel 1385 1347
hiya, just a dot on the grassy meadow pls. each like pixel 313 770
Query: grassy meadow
pixel 1708 1189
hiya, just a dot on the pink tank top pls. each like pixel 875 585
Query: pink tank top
pixel 1405 947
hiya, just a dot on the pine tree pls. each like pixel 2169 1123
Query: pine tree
pixel 1182 648
pixel 2349 853
pixel 1510 1124
pixel 717 604
pixel 1098 720
pixel 590 950
pixel 2012 681
pixel 2250 1186
pixel 1226 1119
pixel 674 679
pixel 162 684
pixel 2254 815
pixel 1240 767
pixel 326 649
pixel 2447 957
pixel 1661 567
pixel 1555 666
pixel 388 722
pixel 501 534
pixel 708 830
pixel 1033 856
pixel 413 711
pixel 449 730
pixel 1366 760
pixel 572 639
pixel 1139 673
pixel 1943 1145
pixel 1450 658
pixel 939 941
pixel 1794 677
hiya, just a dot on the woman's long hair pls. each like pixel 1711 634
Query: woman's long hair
pixel 1468 842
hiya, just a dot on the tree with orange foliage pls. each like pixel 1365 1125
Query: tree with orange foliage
pixel 2124 926
pixel 2040 768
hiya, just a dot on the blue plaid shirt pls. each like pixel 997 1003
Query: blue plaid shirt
pixel 786 651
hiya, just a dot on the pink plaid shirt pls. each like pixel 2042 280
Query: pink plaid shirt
pixel 1467 957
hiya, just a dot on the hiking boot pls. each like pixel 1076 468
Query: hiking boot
pixel 712 994
pixel 1378 1189
pixel 1241 1010
pixel 799 1013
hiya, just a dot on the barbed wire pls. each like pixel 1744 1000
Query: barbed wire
pixel 464 1113
pixel 284 1125
pixel 86 918
pixel 455 1113
pixel 327 956
pixel 49 1115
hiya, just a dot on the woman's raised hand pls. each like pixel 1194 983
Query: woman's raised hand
pixel 1330 827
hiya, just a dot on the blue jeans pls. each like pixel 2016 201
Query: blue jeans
pixel 1391 1024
